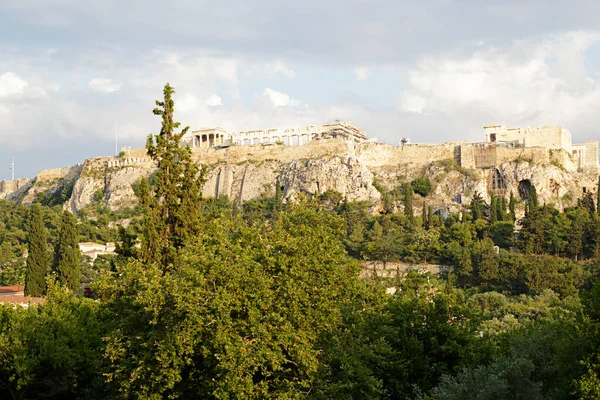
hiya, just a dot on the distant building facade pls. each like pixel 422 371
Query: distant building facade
pixel 93 250
pixel 584 156
pixel 214 137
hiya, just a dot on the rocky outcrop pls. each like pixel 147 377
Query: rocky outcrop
pixel 358 172
pixel 108 179
pixel 53 183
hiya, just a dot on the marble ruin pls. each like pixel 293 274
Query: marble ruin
pixel 580 156
pixel 214 137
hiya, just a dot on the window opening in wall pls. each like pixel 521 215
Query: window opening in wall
pixel 493 137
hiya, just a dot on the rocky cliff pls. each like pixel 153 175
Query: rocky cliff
pixel 359 172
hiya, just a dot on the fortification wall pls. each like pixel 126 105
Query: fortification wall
pixel 134 153
pixel 537 155
pixel 380 154
pixel 58 173
pixel 9 186
pixel 259 153
pixel 591 156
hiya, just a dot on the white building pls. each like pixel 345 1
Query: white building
pixel 212 137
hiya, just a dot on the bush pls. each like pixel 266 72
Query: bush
pixel 421 186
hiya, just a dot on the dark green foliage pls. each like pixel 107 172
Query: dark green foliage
pixel 512 206
pixel 37 261
pixel 238 315
pixel 53 350
pixel 126 246
pixel 421 186
pixel 532 201
pixel 67 257
pixel 477 206
pixel 587 202
pixel 408 203
pixel 429 218
pixel 494 210
pixel 172 211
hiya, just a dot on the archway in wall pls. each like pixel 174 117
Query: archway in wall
pixel 497 184
pixel 524 188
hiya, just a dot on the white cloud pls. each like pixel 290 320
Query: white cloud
pixel 214 100
pixel 186 103
pixel 11 84
pixel 279 99
pixel 280 67
pixel 532 82
pixel 103 85
pixel 361 73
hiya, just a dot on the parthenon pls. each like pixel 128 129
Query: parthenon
pixel 214 137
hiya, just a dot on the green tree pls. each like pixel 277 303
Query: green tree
pixel 532 202
pixel 37 261
pixel 52 350
pixel 421 186
pixel 239 315
pixel 494 210
pixel 173 212
pixel 477 205
pixel 67 256
pixel 587 202
pixel 408 203
pixel 512 204
pixel 429 217
pixel 424 215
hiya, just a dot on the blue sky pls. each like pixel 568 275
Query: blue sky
pixel 432 70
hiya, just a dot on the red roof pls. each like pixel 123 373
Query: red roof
pixel 11 289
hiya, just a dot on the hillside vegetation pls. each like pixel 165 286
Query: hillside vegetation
pixel 212 298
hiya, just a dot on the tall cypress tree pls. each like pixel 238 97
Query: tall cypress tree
pixel 476 206
pixel 67 257
pixel 429 217
pixel 532 202
pixel 500 209
pixel 424 216
pixel 512 204
pixel 278 203
pixel 37 260
pixel 493 209
pixel 175 205
pixel 408 203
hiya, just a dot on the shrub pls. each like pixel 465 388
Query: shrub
pixel 421 186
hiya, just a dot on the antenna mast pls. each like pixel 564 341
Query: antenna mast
pixel 12 168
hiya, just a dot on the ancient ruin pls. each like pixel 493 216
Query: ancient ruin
pixel 337 156
pixel 212 137
pixel 581 156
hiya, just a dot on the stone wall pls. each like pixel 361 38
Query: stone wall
pixel 591 156
pixel 392 269
pixel 271 152
pixel 536 155
pixel 53 174
pixel 380 154
pixel 10 186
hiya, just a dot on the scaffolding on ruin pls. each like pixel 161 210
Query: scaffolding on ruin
pixel 484 155
pixel 497 186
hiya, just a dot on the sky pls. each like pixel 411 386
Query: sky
pixel 72 71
